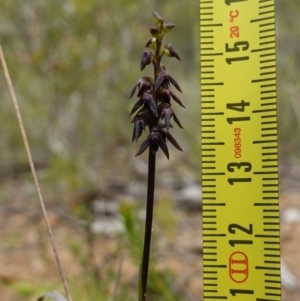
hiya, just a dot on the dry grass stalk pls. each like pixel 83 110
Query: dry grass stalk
pixel 17 110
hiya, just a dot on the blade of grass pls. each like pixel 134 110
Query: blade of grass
pixel 117 281
pixel 26 144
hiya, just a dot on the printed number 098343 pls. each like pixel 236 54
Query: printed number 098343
pixel 237 143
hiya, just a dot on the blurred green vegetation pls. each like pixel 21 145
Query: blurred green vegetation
pixel 73 64
pixel 97 279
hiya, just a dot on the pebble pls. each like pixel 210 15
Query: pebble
pixel 52 296
pixel 190 197
pixel 105 207
pixel 288 278
pixel 291 215
pixel 110 226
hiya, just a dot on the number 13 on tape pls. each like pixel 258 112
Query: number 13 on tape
pixel 241 246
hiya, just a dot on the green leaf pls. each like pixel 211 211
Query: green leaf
pixel 140 286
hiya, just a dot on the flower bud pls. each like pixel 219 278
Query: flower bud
pixel 168 27
pixel 146 59
pixel 156 32
pixel 151 43
pixel 157 19
pixel 150 101
pixel 169 51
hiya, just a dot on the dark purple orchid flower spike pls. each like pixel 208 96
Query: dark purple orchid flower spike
pixel 153 111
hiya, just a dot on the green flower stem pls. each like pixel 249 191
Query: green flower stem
pixel 149 217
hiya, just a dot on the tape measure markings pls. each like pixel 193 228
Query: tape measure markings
pixel 228 240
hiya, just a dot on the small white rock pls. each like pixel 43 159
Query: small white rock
pixel 107 226
pixel 288 278
pixel 53 296
pixel 291 215
pixel 190 196
pixel 105 207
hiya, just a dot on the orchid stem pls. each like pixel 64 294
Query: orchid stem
pixel 155 97
pixel 149 217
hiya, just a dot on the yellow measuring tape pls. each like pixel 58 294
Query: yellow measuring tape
pixel 241 248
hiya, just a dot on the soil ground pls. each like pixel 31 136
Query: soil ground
pixel 26 256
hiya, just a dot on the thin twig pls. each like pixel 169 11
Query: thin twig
pixel 16 106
